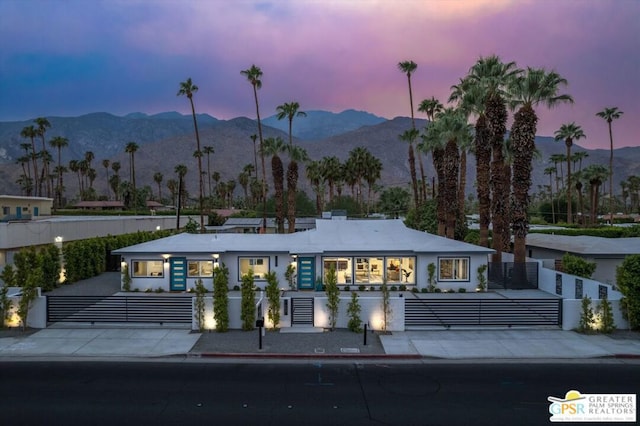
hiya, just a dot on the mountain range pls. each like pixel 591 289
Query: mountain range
pixel 168 139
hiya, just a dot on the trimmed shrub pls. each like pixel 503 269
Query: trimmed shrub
pixel 248 300
pixel 353 310
pixel 577 266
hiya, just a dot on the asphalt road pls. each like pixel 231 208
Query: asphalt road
pixel 197 393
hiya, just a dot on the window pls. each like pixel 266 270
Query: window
pixel 400 270
pixel 453 269
pixel 369 270
pixel 342 265
pixel 200 268
pixel 148 268
pixel 259 266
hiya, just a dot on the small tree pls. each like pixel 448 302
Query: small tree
pixel 577 266
pixel 8 278
pixel 353 310
pixel 273 296
pixel 482 279
pixel 431 270
pixel 586 316
pixel 29 293
pixel 386 305
pixel 333 296
pixel 628 281
pixel 126 278
pixel 607 324
pixel 248 300
pixel 221 298
pixel 290 276
pixel 199 302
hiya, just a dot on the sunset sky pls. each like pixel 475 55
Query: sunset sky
pixel 71 57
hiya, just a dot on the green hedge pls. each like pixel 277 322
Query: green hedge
pixel 605 231
pixel 87 258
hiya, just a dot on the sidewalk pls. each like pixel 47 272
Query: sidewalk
pixel 147 341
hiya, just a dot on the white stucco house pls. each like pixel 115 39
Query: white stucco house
pixel 607 253
pixel 363 253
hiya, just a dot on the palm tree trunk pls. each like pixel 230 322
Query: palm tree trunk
pixel 483 159
pixel 568 142
pixel 412 170
pixel 610 174
pixel 201 184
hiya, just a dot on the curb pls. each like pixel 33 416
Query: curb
pixel 306 356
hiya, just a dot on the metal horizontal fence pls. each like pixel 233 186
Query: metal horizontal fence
pixel 482 312
pixel 156 309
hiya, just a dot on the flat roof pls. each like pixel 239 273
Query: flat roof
pixel 584 244
pixel 329 236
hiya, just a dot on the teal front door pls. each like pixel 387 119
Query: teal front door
pixel 306 273
pixel 19 212
pixel 178 274
pixel 36 211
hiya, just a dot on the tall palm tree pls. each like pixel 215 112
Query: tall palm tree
pixel 115 166
pixel 314 174
pixel 296 155
pixel 43 124
pixel 550 171
pixel 493 77
pixel 430 107
pixel 273 147
pixel 31 132
pixel 208 150
pixel 59 142
pixel 254 76
pixel 106 164
pixel 595 174
pixel 535 87
pixel 408 68
pixel 331 170
pixel 157 178
pixel 131 149
pixel 471 98
pixel 255 154
pixel 181 171
pixel 434 142
pixel 243 180
pixel 289 110
pixel 372 173
pixel 569 132
pixel 610 114
pixel 187 88
pixel 74 167
pixel 410 136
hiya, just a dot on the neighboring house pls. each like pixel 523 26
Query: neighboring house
pixel 60 229
pixel 15 207
pixel 362 252
pixel 607 253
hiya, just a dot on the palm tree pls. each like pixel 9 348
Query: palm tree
pixel 435 142
pixel 208 150
pixel 595 175
pixel 372 173
pixel 296 155
pixel 289 110
pixel 115 166
pixel 316 180
pixel 254 75
pixel 410 136
pixel 536 86
pixel 430 107
pixel 181 171
pixel 157 178
pixel 273 147
pixel 74 167
pixel 187 88
pixel 408 68
pixel 172 186
pixel 357 163
pixel 569 133
pixel 43 124
pixel 31 132
pixel 493 76
pixel 106 163
pixel 131 149
pixel 550 171
pixel 332 171
pixel 255 154
pixel 610 114
pixel 59 142
pixel 243 180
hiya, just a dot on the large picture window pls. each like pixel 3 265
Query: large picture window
pixel 259 266
pixel 400 270
pixel 453 269
pixel 200 268
pixel 342 266
pixel 147 268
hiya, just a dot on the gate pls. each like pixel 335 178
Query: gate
pixel 482 312
pixel 302 311
pixel 92 309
